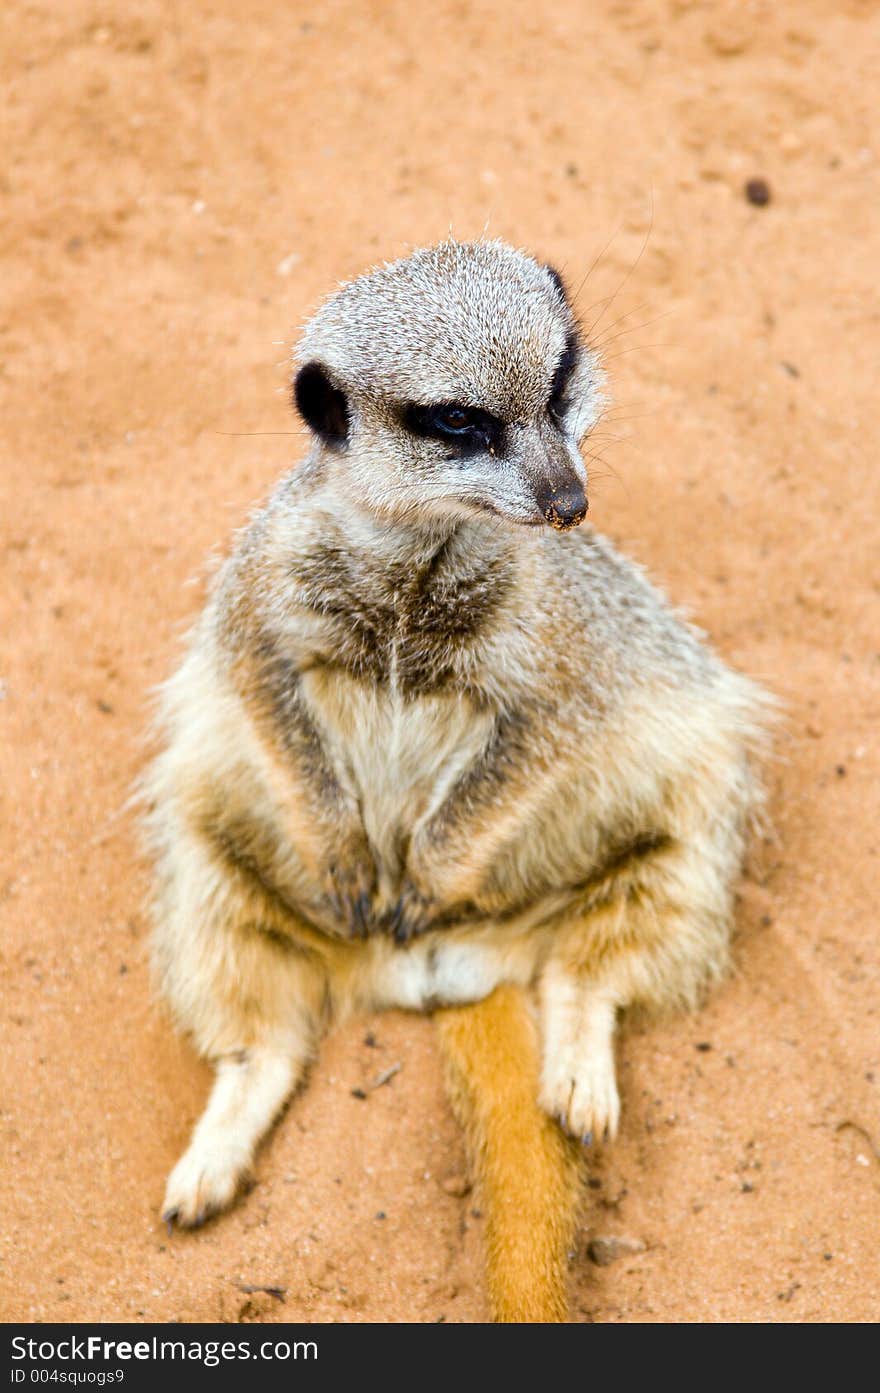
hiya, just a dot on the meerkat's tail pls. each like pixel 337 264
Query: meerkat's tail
pixel 527 1173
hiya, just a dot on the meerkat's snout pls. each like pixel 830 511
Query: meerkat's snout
pixel 551 474
pixel 564 507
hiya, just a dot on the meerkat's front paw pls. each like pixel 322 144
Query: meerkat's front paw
pixel 580 1091
pixel 350 890
pixel 204 1182
pixel 413 914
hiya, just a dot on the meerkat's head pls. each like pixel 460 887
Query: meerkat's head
pixel 452 382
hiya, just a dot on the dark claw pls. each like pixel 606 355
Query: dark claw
pixel 402 932
pixel 168 1220
pixel 199 1219
pixel 397 924
pixel 587 1139
pixel 361 915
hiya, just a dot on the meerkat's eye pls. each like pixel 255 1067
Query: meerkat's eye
pixel 455 418
pixel 556 402
pixel 466 427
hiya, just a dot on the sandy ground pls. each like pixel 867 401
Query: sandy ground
pixel 181 183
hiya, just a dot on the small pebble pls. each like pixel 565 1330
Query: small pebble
pixel 758 192
pixel 457 1185
pixel 604 1251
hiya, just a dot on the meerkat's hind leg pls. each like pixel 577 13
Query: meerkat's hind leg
pixel 578 1076
pixel 658 945
pixel 251 1088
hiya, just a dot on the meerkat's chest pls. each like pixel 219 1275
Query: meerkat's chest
pixel 398 757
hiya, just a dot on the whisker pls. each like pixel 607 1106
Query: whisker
pixel 621 317
pixel 637 348
pixel 600 460
pixel 611 439
pixel 594 263
pixel 598 321
pixel 631 416
pixel 608 337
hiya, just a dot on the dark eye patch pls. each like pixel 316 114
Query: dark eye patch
pixel 564 369
pixel 466 427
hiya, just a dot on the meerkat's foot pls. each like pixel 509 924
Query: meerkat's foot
pixel 578 1081
pixel 250 1089
pixel 205 1181
pixel 581 1093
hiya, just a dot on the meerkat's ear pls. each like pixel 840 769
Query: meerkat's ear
pixel 322 406
pixel 557 280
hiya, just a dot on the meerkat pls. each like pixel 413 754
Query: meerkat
pixel 436 745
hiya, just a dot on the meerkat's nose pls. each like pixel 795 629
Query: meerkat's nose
pixel 563 505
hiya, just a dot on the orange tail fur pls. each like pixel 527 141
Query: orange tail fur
pixel 526 1171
